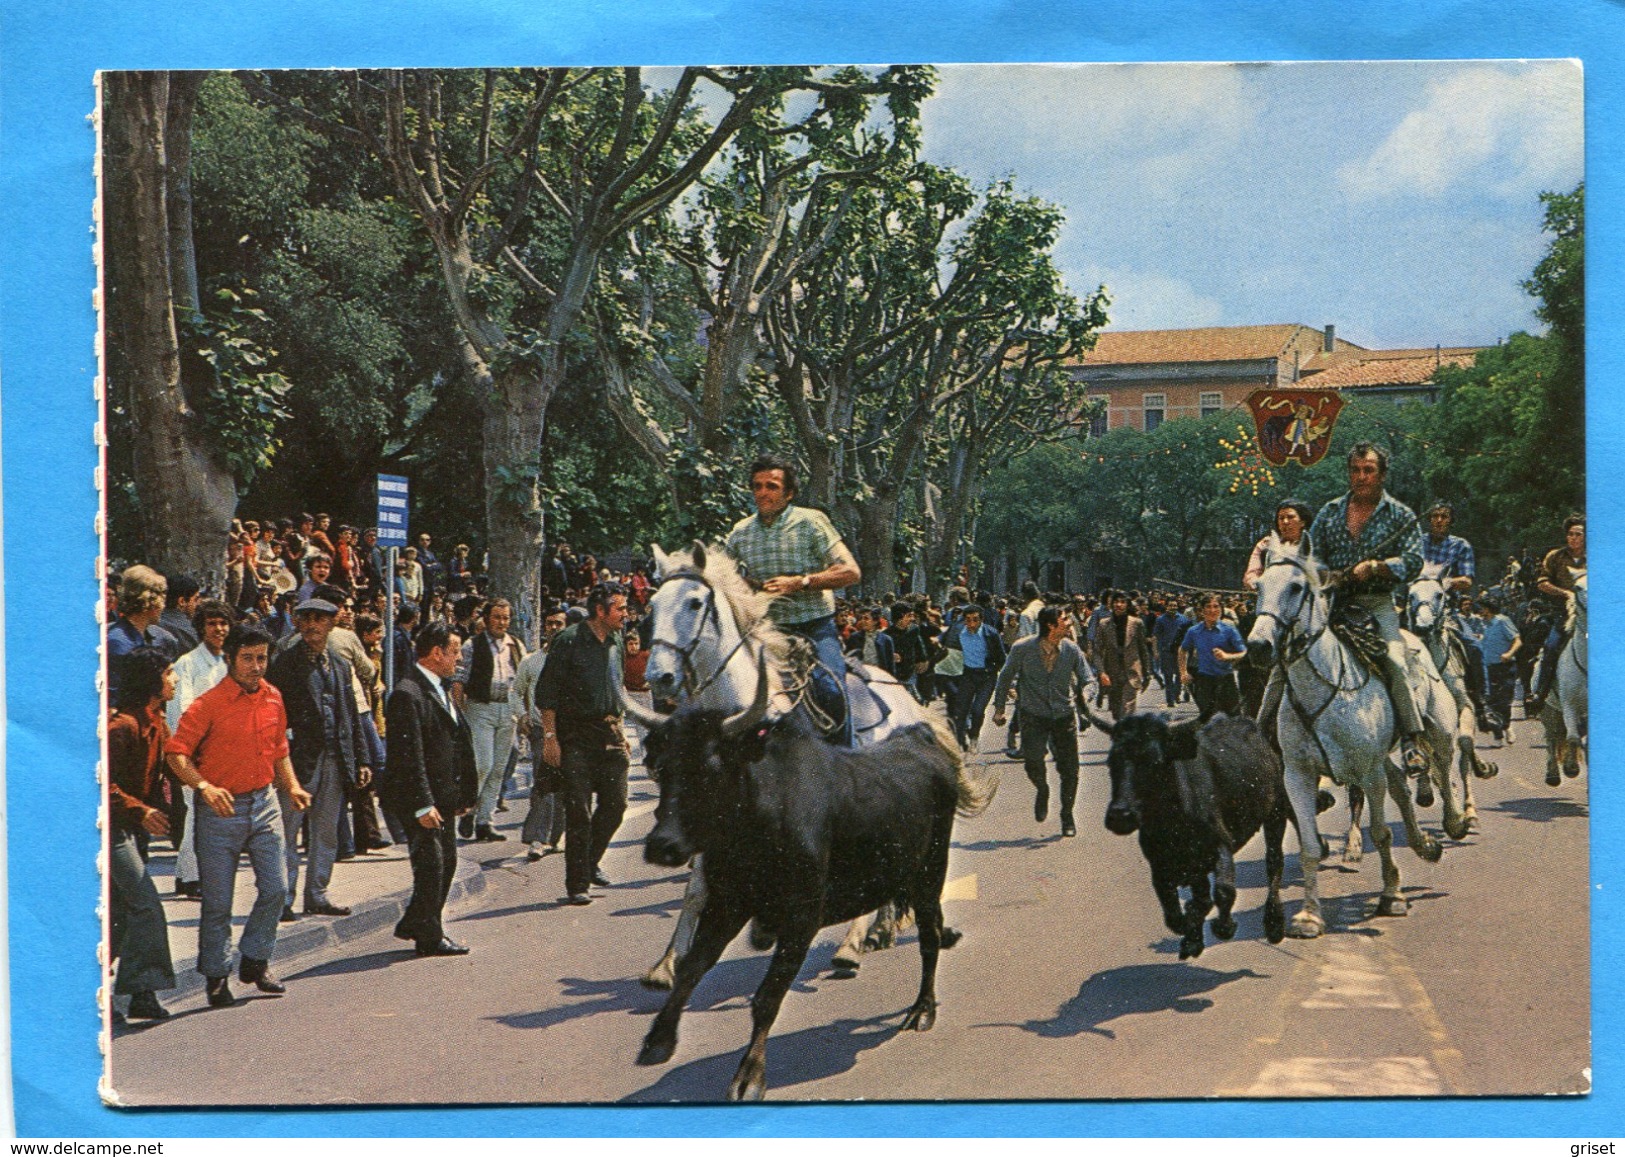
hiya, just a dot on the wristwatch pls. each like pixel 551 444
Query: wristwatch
pixel 806 582
pixel 550 735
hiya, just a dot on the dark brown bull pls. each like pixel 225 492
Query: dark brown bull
pixel 798 834
pixel 1196 795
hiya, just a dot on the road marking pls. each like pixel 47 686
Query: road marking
pixel 1348 979
pixel 1417 1002
pixel 1348 1077
pixel 963 888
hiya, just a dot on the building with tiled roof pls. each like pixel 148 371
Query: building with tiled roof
pixel 1147 377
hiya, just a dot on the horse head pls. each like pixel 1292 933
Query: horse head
pixel 1427 599
pixel 1290 582
pixel 699 618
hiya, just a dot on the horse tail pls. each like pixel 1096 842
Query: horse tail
pixel 972 795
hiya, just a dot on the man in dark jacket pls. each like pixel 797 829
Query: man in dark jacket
pixel 869 644
pixel 983 653
pixel 429 780
pixel 328 747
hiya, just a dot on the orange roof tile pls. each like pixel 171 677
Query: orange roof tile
pixel 1214 344
pixel 1389 368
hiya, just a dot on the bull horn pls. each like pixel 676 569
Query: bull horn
pixel 752 715
pixel 644 718
pixel 1100 721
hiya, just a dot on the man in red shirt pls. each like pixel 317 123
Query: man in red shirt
pixel 231 748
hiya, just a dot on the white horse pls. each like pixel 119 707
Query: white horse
pixel 1429 614
pixel 1336 719
pixel 708 631
pixel 1565 716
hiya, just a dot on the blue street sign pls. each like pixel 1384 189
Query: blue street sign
pixel 393 491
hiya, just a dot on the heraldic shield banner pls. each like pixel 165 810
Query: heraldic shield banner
pixel 1294 425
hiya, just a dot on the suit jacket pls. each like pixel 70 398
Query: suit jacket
pixel 885 652
pixel 951 639
pixel 1132 660
pixel 430 761
pixel 290 674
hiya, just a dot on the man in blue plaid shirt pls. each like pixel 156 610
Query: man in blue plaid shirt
pixel 1453 555
pixel 1378 542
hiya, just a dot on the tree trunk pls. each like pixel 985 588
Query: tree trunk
pixel 185 493
pixel 877 544
pixel 515 408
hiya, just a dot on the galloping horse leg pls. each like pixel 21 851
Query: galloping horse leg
pixel 750 1081
pixel 682 937
pixel 1423 844
pixel 891 921
pixel 1551 720
pixel 1392 902
pixel 1354 842
pixel 846 956
pixel 1469 763
pixel 1224 895
pixel 1300 788
pixel 1441 767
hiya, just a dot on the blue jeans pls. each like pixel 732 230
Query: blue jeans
pixel 828 677
pixel 255 827
pixel 140 934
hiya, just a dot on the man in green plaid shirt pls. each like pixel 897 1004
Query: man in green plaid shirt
pixel 1378 542
pixel 795 554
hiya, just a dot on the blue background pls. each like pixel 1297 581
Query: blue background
pixel 48 55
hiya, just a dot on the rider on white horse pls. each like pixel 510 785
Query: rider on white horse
pixel 1377 543
pixel 1556 582
pixel 1451 558
pixel 795 554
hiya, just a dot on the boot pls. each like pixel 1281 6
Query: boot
pixel 258 973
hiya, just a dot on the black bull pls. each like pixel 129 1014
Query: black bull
pixel 798 834
pixel 1196 796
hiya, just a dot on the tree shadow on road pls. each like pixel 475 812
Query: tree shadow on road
pixel 797 1058
pixel 1542 808
pixel 1135 989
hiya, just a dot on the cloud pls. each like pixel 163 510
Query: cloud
pixel 1153 125
pixel 1142 300
pixel 1512 130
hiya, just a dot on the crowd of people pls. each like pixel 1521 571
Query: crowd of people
pixel 255 718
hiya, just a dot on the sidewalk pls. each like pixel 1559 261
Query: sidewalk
pixel 375 887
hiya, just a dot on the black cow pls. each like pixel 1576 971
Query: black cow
pixel 1196 795
pixel 798 834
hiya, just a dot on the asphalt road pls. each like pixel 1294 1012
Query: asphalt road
pixel 1065 986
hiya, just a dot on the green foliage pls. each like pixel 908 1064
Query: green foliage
pixel 246 397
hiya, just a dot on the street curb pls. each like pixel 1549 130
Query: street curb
pixel 312 934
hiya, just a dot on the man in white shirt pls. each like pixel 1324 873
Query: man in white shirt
pixel 485 675
pixel 197 671
pixel 546 815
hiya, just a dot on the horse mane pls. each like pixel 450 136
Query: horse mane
pixel 749 607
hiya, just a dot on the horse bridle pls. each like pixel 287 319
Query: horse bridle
pixel 686 654
pixel 1294 644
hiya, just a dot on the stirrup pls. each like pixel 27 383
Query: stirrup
pixel 1416 761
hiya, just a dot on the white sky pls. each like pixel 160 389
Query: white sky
pixel 1396 200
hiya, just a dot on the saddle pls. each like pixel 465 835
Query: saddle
pixel 1357 627
pixel 829 717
